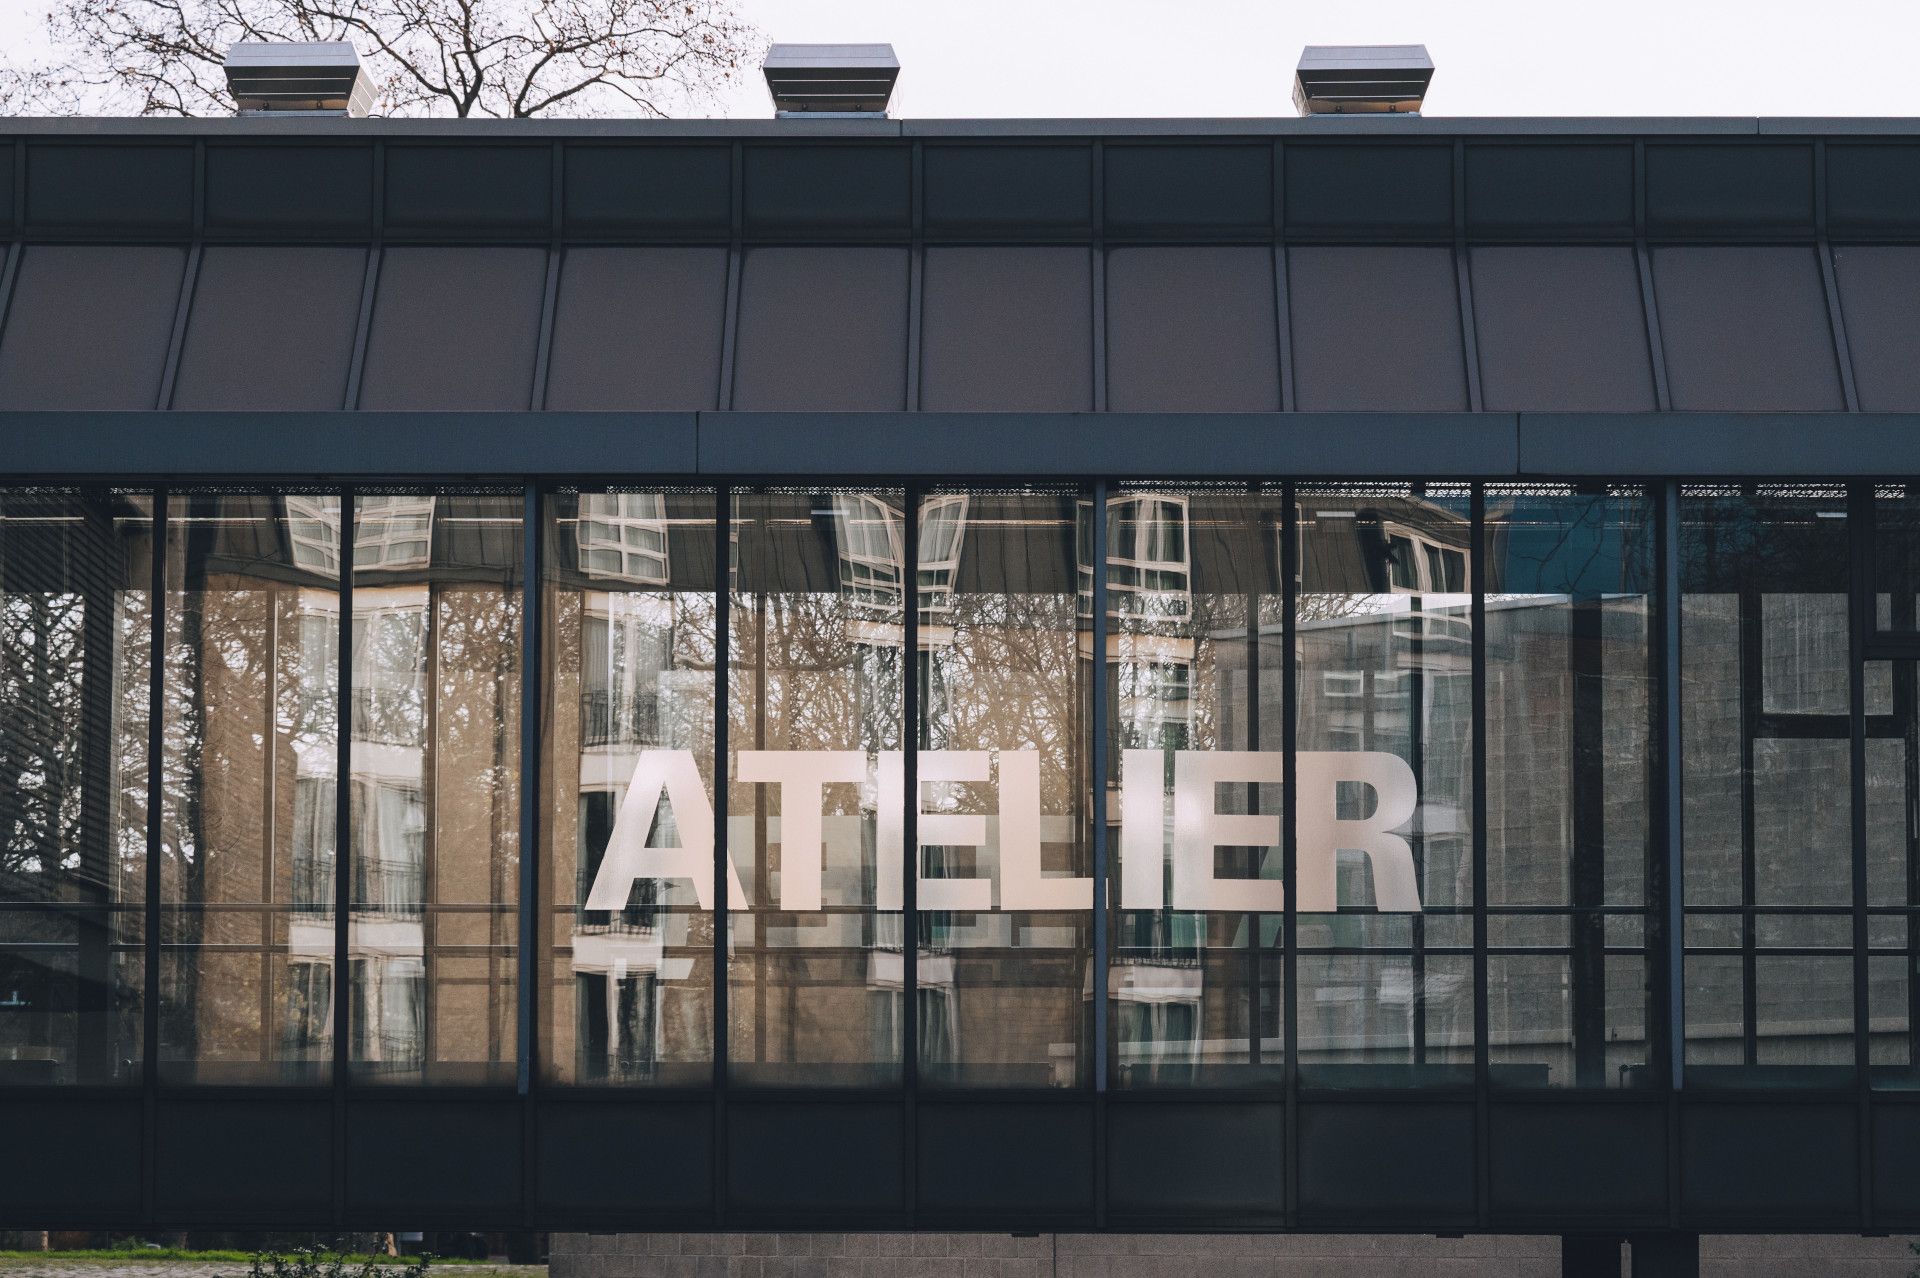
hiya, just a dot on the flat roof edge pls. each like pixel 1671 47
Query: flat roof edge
pixel 1277 126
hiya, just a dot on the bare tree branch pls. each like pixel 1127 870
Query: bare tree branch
pixel 505 58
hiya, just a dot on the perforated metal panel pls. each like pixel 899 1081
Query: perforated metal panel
pixel 89 326
pixel 1191 329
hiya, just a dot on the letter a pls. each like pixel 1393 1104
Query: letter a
pixel 629 858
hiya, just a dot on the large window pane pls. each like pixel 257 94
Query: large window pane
pixel 75 617
pixel 627 747
pixel 1569 764
pixel 247 821
pixel 1768 850
pixel 1195 768
pixel 815 661
pixel 1005 893
pixel 435 786
pixel 1385 845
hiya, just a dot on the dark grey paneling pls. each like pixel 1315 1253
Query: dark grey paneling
pixel 454 328
pixel 638 328
pixel 1168 1159
pixel 1024 190
pixel 822 329
pixel 271 328
pixel 1561 328
pixel 1342 189
pixel 295 189
pixel 1714 186
pixel 1550 187
pixel 493 188
pixel 648 188
pixel 1007 329
pixel 139 187
pixel 84 1166
pixel 1769 1161
pixel 1578 1161
pixel 1191 329
pixel 1706 445
pixel 1188 187
pixel 89 326
pixel 1880 302
pixel 1873 188
pixel 815 1155
pixel 1376 328
pixel 1745 328
pixel 432 1156
pixel 1009 1160
pixel 827 188
pixel 585 1157
pixel 1896 1164
pixel 1386 1162
pixel 211 1161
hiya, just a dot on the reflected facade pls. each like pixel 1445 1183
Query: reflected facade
pixel 1151 785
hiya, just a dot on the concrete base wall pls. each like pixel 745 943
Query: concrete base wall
pixel 936 1255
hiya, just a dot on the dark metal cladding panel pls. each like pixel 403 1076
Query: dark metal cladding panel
pixel 271 329
pixel 1561 329
pixel 828 188
pixel 638 328
pixel 89 326
pixel 585 1163
pixel 1385 1162
pixel 1007 329
pixel 1007 1161
pixel 1343 189
pixel 1745 329
pixel 296 189
pixel 1576 1161
pixel 455 328
pixel 677 189
pixel 1009 189
pixel 1896 1164
pixel 1166 1159
pixel 1560 187
pixel 1376 327
pixel 493 188
pixel 1873 188
pixel 1880 304
pixel 133 188
pixel 85 1163
pixel 822 329
pixel 1707 187
pixel 1188 187
pixel 815 1155
pixel 1192 329
pixel 1769 1161
pixel 425 1155
pixel 209 1164
pixel 6 186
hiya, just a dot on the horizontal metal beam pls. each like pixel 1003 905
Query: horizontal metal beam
pixel 320 446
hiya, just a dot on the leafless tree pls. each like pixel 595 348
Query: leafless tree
pixel 504 58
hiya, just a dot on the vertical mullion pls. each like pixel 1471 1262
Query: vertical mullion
pixel 1098 274
pixel 156 789
pixel 910 714
pixel 1836 316
pixel 1251 919
pixel 1482 1069
pixel 1860 553
pixel 1670 988
pixel 531 961
pixel 543 350
pixel 1097 778
pixel 722 879
pixel 1289 824
pixel 342 853
pixel 1463 280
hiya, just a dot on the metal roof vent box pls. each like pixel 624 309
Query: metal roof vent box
pixel 1353 79
pixel 831 79
pixel 284 77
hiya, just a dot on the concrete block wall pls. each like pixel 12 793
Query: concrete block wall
pixel 940 1255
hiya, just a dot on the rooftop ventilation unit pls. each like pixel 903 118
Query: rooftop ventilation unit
pixel 289 78
pixel 1354 79
pixel 831 79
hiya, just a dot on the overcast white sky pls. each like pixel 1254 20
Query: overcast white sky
pixel 1236 57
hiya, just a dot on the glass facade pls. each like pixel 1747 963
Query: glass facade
pixel 1021 787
